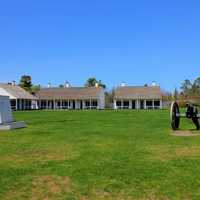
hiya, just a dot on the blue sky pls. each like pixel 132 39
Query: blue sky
pixel 136 41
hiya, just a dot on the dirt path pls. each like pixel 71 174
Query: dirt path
pixel 187 133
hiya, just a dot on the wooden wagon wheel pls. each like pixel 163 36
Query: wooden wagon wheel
pixel 175 116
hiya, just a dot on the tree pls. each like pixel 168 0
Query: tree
pixel 101 84
pixel 167 96
pixel 91 82
pixel 186 87
pixel 196 86
pixel 109 96
pixel 61 86
pixel 176 94
pixel 197 82
pixel 35 88
pixel 26 82
pixel 191 88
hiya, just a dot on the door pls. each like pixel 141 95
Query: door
pixel 133 104
pixel 78 104
pixel 74 104
pixel 142 104
pixel 81 106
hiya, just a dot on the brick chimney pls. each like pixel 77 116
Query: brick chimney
pixel 67 84
pixel 14 83
pixel 96 85
pixel 49 85
pixel 123 84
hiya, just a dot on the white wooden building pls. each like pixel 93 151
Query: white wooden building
pixel 19 98
pixel 71 98
pixel 133 97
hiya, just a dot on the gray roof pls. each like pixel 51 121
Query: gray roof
pixel 17 92
pixel 69 93
pixel 138 92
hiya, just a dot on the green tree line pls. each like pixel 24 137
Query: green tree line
pixel 26 83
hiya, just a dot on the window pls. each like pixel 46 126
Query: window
pixel 58 103
pixel 133 104
pixel 94 103
pixel 50 104
pixel 87 104
pixel 126 104
pixel 149 104
pixel 118 103
pixel 65 104
pixel 27 104
pixel 13 104
pixel 43 104
pixel 157 104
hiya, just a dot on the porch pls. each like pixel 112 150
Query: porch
pixel 137 104
pixel 69 104
pixel 23 104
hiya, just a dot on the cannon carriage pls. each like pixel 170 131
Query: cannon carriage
pixel 190 113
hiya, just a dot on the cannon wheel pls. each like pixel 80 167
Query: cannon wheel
pixel 175 120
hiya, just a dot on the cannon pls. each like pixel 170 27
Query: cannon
pixel 190 113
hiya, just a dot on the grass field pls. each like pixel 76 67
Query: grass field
pixel 101 155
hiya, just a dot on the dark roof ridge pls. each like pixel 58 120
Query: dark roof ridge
pixel 157 86
pixel 70 87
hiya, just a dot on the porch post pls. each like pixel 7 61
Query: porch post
pixel 99 104
pixel 37 104
pixel 161 104
pixel 145 104
pixel 130 104
pixel 122 104
pixel 60 104
pixel 137 104
pixel 114 102
pixel 32 104
pixel 16 104
pixel 20 104
pixel 83 104
pixel 54 104
pixel 90 104
pixel 153 104
pixel 24 104
pixel 47 106
pixel 76 104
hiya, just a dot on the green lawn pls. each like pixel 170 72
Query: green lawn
pixel 89 155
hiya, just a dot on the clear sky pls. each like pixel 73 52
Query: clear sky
pixel 136 41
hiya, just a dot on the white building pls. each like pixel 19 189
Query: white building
pixel 19 98
pixel 130 97
pixel 71 98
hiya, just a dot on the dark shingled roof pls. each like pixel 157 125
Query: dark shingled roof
pixel 69 93
pixel 17 91
pixel 138 92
